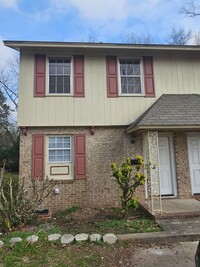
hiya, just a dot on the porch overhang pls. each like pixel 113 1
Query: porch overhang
pixel 170 112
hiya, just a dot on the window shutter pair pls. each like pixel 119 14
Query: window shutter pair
pixel 40 76
pixel 38 156
pixel 112 76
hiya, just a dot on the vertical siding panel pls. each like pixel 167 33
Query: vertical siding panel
pixel 169 78
pixel 98 89
pixel 190 73
pixel 195 72
pixel 183 80
pixel 102 93
pixel 90 94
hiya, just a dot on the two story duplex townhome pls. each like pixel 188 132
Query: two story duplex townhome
pixel 85 105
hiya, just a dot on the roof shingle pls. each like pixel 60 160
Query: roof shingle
pixel 171 110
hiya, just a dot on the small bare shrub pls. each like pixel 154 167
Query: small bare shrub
pixel 17 207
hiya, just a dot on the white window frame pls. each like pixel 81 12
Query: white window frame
pixel 48 149
pixel 141 76
pixel 71 75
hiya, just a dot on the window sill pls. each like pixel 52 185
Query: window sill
pixel 57 95
pixel 132 95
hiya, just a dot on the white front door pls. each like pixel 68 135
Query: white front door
pixel 165 166
pixel 194 160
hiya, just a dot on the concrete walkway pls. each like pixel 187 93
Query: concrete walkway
pixel 165 255
pixel 180 205
pixel 176 208
pixel 180 226
pixel 180 222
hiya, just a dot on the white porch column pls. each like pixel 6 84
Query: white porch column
pixel 151 152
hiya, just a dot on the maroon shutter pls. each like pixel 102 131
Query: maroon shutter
pixel 78 76
pixel 40 74
pixel 38 156
pixel 80 156
pixel 111 67
pixel 148 77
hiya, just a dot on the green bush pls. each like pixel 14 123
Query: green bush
pixel 129 179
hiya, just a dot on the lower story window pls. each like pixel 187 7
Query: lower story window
pixel 59 148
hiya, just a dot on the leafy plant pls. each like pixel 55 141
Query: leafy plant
pixel 129 179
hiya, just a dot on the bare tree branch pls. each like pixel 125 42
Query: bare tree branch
pixel 9 77
pixel 133 38
pixel 190 9
pixel 196 38
pixel 179 36
pixel 10 93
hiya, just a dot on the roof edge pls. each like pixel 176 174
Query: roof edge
pixel 163 127
pixel 21 44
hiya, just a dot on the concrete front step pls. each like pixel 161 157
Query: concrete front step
pixel 175 208
pixel 177 215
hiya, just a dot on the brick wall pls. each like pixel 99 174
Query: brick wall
pixel 108 144
pixel 182 165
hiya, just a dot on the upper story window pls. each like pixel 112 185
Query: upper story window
pixel 59 148
pixel 59 75
pixel 130 75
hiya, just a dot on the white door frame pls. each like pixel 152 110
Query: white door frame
pixel 191 134
pixel 172 163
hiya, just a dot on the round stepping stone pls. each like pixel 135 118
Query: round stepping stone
pixel 81 237
pixel 109 238
pixel 54 237
pixel 1 244
pixel 32 239
pixel 95 237
pixel 15 240
pixel 67 239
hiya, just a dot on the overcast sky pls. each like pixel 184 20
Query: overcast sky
pixel 77 20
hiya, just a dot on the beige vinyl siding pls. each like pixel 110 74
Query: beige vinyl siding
pixel 174 72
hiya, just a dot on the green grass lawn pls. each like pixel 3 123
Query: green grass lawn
pixel 43 254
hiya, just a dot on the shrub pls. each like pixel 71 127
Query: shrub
pixel 129 179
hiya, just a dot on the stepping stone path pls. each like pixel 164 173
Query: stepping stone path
pixel 81 237
pixel 15 240
pixel 95 237
pixel 109 238
pixel 54 237
pixel 32 239
pixel 67 239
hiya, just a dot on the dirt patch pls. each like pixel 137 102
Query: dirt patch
pixel 91 215
pixel 103 221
